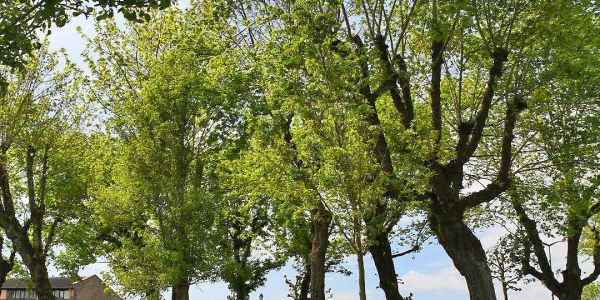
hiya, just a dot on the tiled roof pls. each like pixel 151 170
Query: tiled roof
pixel 57 283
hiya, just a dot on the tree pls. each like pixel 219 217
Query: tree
pixel 39 160
pixel 444 83
pixel 246 224
pixel 176 104
pixel 556 194
pixel 247 252
pixel 504 266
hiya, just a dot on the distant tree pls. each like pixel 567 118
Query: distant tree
pixel 504 266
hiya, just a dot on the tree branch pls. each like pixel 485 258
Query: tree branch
pixel 501 182
pixel 546 275
pixel 414 248
pixel 464 151
pixel 51 234
pixel 437 48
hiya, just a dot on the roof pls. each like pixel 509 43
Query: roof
pixel 57 283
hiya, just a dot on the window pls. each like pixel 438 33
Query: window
pixel 20 294
pixel 25 294
pixel 61 294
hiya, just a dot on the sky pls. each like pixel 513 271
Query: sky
pixel 428 275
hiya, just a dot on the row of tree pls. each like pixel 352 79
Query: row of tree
pixel 223 140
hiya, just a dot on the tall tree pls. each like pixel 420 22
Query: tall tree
pixel 38 160
pixel 175 105
pixel 432 77
pixel 557 191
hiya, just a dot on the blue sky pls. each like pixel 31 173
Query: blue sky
pixel 428 275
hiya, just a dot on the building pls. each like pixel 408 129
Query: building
pixel 89 288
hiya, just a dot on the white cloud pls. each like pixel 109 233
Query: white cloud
pixel 533 290
pixel 447 279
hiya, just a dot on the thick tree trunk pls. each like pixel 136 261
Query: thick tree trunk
pixel 305 284
pixel 381 251
pixel 320 243
pixel 573 293
pixel 466 253
pixel 39 277
pixel 33 258
pixel 181 291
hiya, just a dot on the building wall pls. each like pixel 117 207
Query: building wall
pixel 3 294
pixel 92 288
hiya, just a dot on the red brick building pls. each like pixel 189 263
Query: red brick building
pixel 89 288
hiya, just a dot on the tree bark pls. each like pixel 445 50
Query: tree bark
pixel 466 252
pixel 6 264
pixel 362 290
pixel 571 293
pixel 505 290
pixel 320 243
pixel 381 251
pixel 33 253
pixel 305 285
pixel 181 291
pixel 39 277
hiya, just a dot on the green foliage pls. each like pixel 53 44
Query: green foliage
pixel 225 130
pixel 22 21
pixel 591 292
pixel 44 156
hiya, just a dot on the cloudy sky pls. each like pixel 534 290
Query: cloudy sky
pixel 428 275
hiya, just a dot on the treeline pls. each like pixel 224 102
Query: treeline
pixel 223 140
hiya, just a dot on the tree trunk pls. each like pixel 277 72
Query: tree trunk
pixel 39 277
pixel 320 243
pixel 181 291
pixel 381 251
pixel 3 273
pixel 358 246
pixel 466 253
pixel 6 264
pixel 305 285
pixel 505 290
pixel 573 293
pixel 362 290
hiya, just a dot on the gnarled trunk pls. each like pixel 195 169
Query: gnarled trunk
pixel 318 253
pixel 181 291
pixel 466 252
pixel 39 277
pixel 381 251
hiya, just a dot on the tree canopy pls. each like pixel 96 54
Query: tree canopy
pixel 222 140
